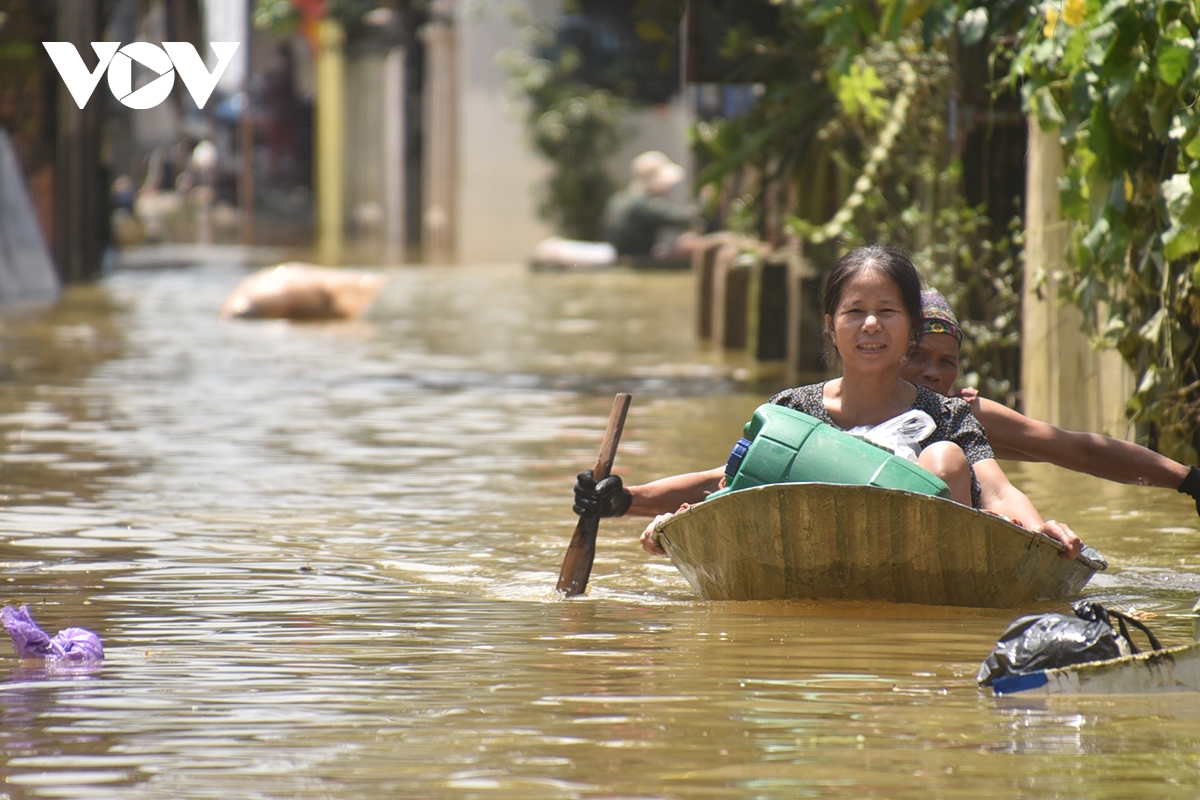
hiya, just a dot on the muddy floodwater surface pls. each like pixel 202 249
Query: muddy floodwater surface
pixel 322 558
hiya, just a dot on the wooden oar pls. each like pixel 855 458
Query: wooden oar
pixel 577 566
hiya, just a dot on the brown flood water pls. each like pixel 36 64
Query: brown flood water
pixel 321 558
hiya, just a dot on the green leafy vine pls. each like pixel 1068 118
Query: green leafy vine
pixel 1119 80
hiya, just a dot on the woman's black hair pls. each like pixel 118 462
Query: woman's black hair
pixel 888 260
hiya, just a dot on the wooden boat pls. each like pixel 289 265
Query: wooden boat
pixel 1173 669
pixel 827 541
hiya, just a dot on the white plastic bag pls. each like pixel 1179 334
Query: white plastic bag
pixel 559 252
pixel 902 434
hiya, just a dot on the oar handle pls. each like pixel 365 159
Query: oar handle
pixel 581 553
pixel 612 436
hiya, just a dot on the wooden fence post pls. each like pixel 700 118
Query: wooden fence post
pixel 767 310
pixel 80 205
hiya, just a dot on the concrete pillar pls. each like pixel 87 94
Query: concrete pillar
pixel 393 155
pixel 245 184
pixel 703 278
pixel 330 144
pixel 27 272
pixel 1064 379
pixel 805 323
pixel 731 285
pixel 367 166
pixel 245 187
pixel 440 182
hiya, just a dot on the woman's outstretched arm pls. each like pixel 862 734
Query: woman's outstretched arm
pixel 1017 437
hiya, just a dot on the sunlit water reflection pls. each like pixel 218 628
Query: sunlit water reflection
pixel 322 556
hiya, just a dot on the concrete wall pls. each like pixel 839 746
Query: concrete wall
pixel 1064 379
pixel 498 172
pixel 365 176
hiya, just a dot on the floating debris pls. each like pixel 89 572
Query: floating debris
pixel 301 291
pixel 70 645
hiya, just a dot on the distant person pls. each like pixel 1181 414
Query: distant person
pixel 641 222
pixel 126 229
pixel 934 365
pixel 123 193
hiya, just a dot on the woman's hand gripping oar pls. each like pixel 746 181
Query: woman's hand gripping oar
pixel 577 566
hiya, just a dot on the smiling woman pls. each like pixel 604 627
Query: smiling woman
pixel 869 301
pixel 872 304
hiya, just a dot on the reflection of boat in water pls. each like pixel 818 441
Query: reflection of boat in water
pixel 850 542
pixel 1172 669
pixel 556 254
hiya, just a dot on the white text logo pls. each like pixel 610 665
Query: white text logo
pixel 178 57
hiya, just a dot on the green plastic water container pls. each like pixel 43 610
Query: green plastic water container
pixel 782 445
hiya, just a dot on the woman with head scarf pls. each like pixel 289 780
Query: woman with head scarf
pixel 934 365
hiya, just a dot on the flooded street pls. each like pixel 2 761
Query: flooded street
pixel 322 558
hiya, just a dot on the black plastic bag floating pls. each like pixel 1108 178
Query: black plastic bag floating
pixel 1048 641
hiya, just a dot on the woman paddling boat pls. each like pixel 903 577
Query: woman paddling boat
pixel 872 320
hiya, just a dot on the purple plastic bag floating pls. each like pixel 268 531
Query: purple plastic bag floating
pixel 70 645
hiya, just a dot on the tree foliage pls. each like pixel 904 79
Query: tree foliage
pixel 286 17
pixel 1120 79
pixel 575 126
pixel 850 129
pixel 576 82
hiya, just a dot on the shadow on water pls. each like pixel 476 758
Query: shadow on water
pixel 322 557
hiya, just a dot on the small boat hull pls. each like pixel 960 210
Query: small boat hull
pixel 805 541
pixel 1174 669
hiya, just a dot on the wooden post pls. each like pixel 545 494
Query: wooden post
pixel 1064 379
pixel 330 145
pixel 441 134
pixel 80 208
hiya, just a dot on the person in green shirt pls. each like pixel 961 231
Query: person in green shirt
pixel 641 222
